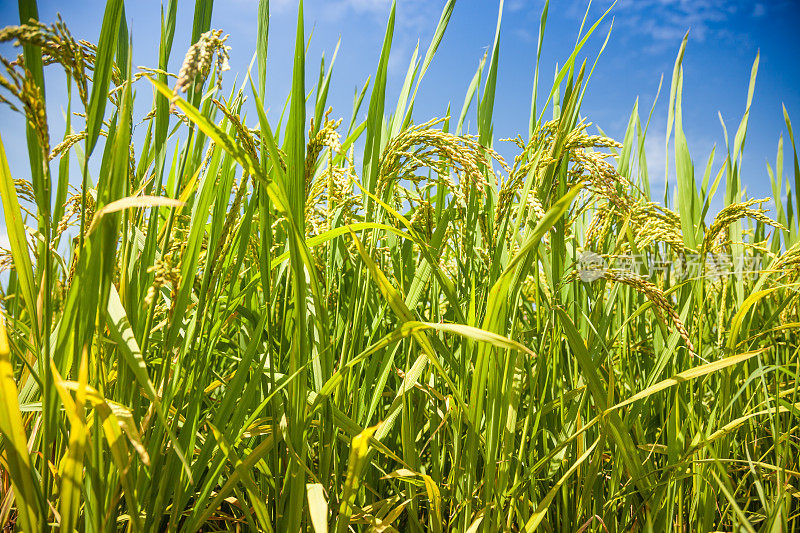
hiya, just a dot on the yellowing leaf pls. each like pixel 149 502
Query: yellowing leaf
pixel 129 202
pixel 15 442
pixel 317 507
pixel 687 375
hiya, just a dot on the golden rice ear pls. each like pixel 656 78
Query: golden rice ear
pixel 661 305
pixel 209 49
pixel 243 135
pixel 424 146
pixel 325 137
pixel 730 214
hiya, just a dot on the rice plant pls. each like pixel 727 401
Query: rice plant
pixel 381 324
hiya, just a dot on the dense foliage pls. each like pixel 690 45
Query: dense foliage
pixel 380 324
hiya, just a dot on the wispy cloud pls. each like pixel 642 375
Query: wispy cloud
pixel 661 23
pixel 759 10
pixel 413 17
pixel 337 9
pixel 415 21
pixel 357 5
pixel 656 154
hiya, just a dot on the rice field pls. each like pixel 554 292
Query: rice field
pixel 367 320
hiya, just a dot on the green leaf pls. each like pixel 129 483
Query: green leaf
pixel 16 233
pixel 109 37
pixel 688 375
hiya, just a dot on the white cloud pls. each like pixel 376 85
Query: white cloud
pixel 412 17
pixel 4 240
pixel 338 6
pixel 666 21
pixel 517 5
pixel 655 152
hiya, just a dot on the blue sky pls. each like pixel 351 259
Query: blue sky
pixel 724 38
